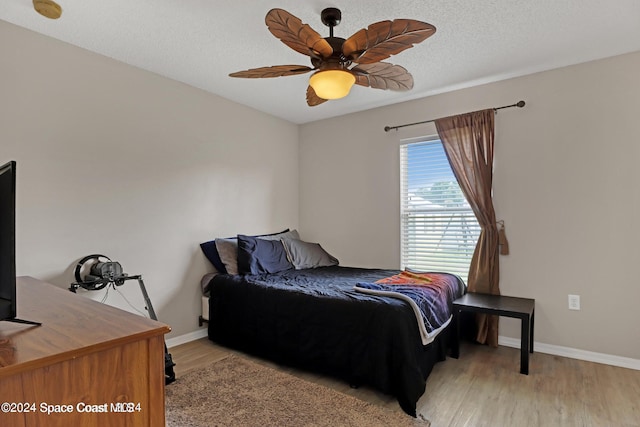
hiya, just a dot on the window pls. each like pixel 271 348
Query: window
pixel 439 229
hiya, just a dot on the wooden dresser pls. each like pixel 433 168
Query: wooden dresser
pixel 89 364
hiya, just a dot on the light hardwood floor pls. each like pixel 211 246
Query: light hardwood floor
pixel 484 388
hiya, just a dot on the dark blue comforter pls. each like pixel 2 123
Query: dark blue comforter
pixel 314 319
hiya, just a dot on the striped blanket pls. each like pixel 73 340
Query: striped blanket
pixel 429 294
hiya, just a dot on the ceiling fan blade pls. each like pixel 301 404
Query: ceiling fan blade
pixel 274 71
pixel 298 36
pixel 382 75
pixel 312 98
pixel 383 39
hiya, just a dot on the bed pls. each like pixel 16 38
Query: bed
pixel 320 318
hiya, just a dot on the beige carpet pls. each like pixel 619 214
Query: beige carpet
pixel 236 391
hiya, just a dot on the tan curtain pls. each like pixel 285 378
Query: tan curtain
pixel 468 143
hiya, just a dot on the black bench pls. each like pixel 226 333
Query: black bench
pixel 521 308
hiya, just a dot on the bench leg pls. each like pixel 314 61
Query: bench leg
pixel 455 339
pixel 533 317
pixel 524 345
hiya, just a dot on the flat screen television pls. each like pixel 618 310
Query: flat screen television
pixel 8 244
pixel 8 241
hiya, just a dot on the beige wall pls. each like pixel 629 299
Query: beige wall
pixel 115 160
pixel 566 183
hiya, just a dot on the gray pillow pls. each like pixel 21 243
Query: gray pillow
pixel 307 255
pixel 292 234
pixel 228 249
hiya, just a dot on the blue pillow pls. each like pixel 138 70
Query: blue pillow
pixel 211 252
pixel 257 256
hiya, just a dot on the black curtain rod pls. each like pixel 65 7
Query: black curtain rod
pixel 518 104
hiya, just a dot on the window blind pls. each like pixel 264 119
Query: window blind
pixel 439 229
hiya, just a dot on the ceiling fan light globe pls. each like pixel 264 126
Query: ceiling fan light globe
pixel 332 84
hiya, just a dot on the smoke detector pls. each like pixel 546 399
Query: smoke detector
pixel 47 8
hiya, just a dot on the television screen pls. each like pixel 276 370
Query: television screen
pixel 8 241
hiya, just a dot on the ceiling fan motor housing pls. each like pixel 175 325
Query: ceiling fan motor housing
pixel 337 58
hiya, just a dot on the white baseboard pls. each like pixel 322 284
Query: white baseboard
pixel 183 339
pixel 574 353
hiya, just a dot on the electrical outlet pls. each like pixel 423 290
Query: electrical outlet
pixel 574 302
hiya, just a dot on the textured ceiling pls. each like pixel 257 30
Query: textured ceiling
pixel 199 42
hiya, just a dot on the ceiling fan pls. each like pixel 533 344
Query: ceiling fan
pixel 339 63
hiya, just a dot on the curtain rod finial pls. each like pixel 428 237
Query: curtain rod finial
pixel 520 104
pixel 387 128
